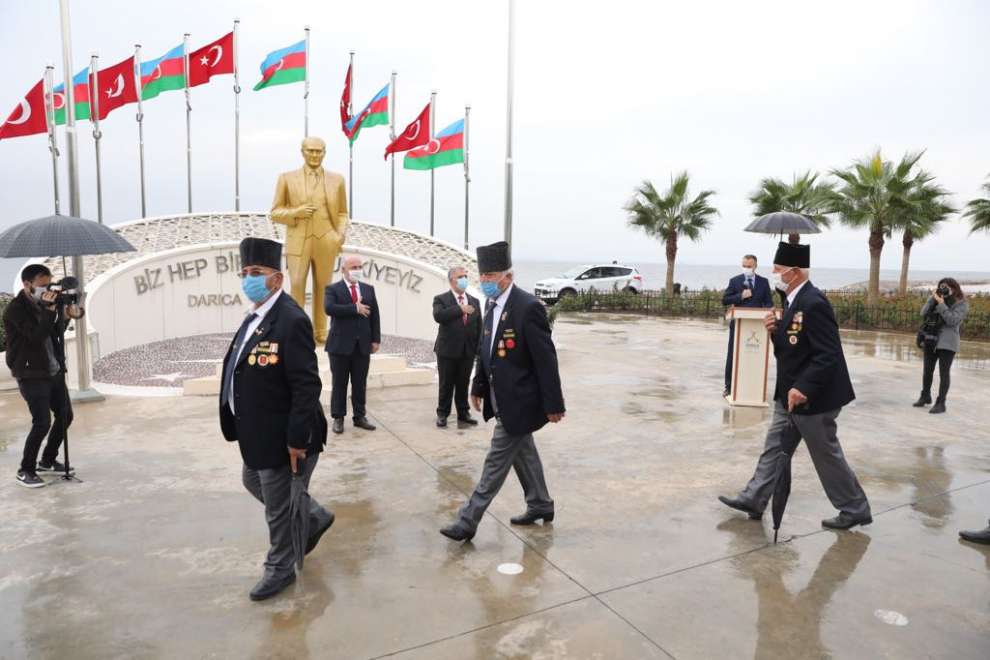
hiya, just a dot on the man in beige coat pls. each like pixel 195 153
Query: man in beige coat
pixel 312 203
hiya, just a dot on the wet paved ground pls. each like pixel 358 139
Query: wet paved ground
pixel 153 555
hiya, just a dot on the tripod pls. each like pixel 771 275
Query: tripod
pixel 62 417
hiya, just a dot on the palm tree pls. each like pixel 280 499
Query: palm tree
pixel 669 216
pixel 803 195
pixel 928 209
pixel 978 211
pixel 874 192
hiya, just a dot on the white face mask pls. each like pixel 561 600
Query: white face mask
pixel 748 272
pixel 36 293
pixel 355 275
pixel 778 282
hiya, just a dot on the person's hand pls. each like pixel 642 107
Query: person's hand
pixel 937 298
pixel 363 309
pixel 295 456
pixel 375 347
pixel 555 417
pixel 770 322
pixel 795 398
pixel 746 294
pixel 307 210
pixel 49 298
pixel 476 402
pixel 74 311
pixel 467 309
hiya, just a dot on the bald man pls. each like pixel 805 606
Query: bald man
pixel 312 204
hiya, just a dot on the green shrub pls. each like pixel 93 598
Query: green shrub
pixel 4 301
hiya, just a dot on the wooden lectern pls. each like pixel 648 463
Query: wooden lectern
pixel 750 356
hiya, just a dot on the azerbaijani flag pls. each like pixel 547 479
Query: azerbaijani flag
pixel 283 66
pixel 446 148
pixel 80 94
pixel 374 114
pixel 163 74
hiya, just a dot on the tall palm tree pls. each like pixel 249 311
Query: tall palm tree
pixel 873 192
pixel 671 215
pixel 978 211
pixel 803 195
pixel 927 209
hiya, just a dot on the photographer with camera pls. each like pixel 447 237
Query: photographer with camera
pixel 35 322
pixel 938 338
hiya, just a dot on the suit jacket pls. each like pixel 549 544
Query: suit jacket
pixel 350 332
pixel 290 194
pixel 762 295
pixel 454 338
pixel 523 368
pixel 276 390
pixel 809 354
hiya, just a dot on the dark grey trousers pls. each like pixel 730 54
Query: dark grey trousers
pixel 508 452
pixel 272 488
pixel 819 433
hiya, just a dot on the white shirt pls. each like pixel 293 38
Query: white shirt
pixel 357 287
pixel 259 316
pixel 497 311
pixel 793 294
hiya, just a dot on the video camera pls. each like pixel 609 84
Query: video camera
pixel 945 291
pixel 67 289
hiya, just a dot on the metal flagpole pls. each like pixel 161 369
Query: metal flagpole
pixel 508 124
pixel 140 123
pixel 185 77
pixel 50 124
pixel 350 142
pixel 467 172
pixel 306 90
pixel 433 102
pixel 391 137
pixel 94 115
pixel 237 125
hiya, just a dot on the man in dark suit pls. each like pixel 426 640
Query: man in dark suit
pixel 270 405
pixel 355 333
pixel 745 290
pixel 812 387
pixel 517 380
pixel 459 316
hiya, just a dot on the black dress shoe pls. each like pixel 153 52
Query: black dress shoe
pixel 977 536
pixel 363 423
pixel 845 521
pixel 269 587
pixel 441 422
pixel 739 505
pixel 938 408
pixel 923 400
pixel 457 532
pixel 314 538
pixel 530 518
pixel 338 425
pixel 466 420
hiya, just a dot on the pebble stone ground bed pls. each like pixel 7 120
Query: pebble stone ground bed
pixel 153 555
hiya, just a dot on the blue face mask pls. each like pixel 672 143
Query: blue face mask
pixel 255 288
pixel 462 283
pixel 490 289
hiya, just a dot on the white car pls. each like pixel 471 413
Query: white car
pixel 605 277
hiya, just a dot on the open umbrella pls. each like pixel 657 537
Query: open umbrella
pixel 299 503
pixel 782 481
pixel 61 236
pixel 783 222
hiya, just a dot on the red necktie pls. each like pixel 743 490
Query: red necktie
pixel 354 297
pixel 464 317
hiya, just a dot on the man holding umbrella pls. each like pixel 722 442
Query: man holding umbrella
pixel 812 387
pixel 270 405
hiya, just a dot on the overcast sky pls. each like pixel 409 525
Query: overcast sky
pixel 606 95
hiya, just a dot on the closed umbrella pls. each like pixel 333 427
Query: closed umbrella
pixel 299 504
pixel 61 236
pixel 783 222
pixel 782 481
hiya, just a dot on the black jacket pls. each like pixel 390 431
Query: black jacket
pixel 761 292
pixel 454 338
pixel 28 327
pixel 349 331
pixel 809 355
pixel 523 364
pixel 276 390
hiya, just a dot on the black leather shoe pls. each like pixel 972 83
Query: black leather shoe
pixel 530 518
pixel 269 587
pixel 739 505
pixel 726 392
pixel 338 425
pixel 441 422
pixel 363 423
pixel 314 538
pixel 977 536
pixel 938 408
pixel 457 532
pixel 845 521
pixel 466 420
pixel 923 400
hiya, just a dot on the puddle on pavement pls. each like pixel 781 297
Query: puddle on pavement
pixel 901 348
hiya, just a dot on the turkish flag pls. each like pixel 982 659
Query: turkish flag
pixel 345 102
pixel 415 135
pixel 213 59
pixel 28 118
pixel 116 87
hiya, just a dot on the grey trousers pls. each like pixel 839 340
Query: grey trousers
pixel 819 433
pixel 272 488
pixel 508 452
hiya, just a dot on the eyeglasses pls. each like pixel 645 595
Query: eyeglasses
pixel 252 272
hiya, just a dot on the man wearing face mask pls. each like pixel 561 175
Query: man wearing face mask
pixel 36 357
pixel 270 406
pixel 355 333
pixel 812 387
pixel 517 381
pixel 745 290
pixel 459 316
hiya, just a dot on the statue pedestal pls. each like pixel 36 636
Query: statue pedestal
pixel 750 357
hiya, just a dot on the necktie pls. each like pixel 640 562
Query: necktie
pixel 354 296
pixel 749 282
pixel 460 301
pixel 486 345
pixel 235 351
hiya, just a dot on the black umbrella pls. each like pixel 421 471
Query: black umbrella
pixel 299 504
pixel 61 236
pixel 783 222
pixel 782 482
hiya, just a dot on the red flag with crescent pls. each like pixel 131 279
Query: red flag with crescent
pixel 345 102
pixel 416 134
pixel 117 87
pixel 28 118
pixel 213 59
